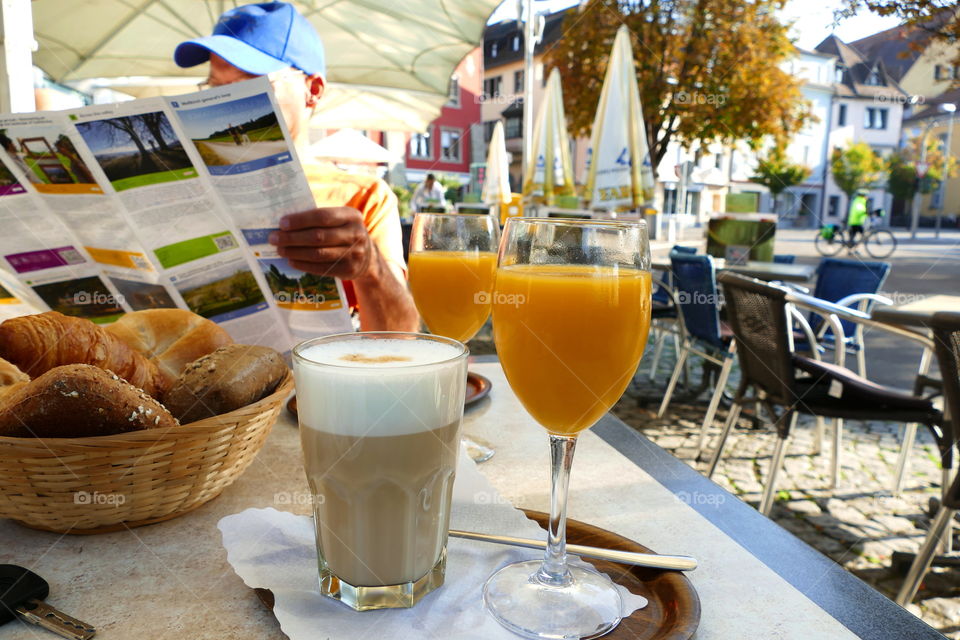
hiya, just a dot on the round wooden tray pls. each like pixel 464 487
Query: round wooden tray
pixel 478 387
pixel 673 612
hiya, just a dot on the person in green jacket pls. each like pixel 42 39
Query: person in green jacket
pixel 857 216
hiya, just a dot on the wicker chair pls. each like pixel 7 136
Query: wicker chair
pixel 946 333
pixel 758 316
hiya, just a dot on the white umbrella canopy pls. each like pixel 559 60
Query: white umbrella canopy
pixel 496 183
pixel 619 170
pixel 408 47
pixel 350 146
pixel 551 172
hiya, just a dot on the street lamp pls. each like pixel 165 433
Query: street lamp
pixel 950 108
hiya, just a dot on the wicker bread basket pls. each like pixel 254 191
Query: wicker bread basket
pixel 107 483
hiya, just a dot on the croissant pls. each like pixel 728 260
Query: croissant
pixel 38 343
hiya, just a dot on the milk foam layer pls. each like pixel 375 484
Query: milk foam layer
pixel 382 387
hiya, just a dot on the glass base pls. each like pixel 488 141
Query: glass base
pixel 588 607
pixel 478 451
pixel 394 596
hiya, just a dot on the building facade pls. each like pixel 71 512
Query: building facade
pixel 455 139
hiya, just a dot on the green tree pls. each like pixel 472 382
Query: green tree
pixel 777 173
pixel 708 70
pixel 857 167
pixel 903 181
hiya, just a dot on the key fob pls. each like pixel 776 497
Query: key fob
pixel 17 585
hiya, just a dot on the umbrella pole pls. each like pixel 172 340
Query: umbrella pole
pixel 16 72
pixel 529 44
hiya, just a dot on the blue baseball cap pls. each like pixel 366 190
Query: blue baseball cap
pixel 259 39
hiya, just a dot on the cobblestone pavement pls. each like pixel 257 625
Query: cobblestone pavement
pixel 859 525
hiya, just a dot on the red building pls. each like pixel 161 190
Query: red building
pixel 455 139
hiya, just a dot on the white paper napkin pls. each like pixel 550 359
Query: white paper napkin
pixel 275 550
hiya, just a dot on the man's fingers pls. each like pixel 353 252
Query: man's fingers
pixel 322 217
pixel 314 254
pixel 343 235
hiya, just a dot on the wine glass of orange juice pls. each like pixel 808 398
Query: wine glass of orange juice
pixel 453 259
pixel 571 312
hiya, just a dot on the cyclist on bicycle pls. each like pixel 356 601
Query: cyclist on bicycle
pixel 857 216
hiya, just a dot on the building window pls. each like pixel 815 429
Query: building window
pixel 491 87
pixel 875 118
pixel 453 92
pixel 450 145
pixel 513 128
pixel 938 72
pixel 873 78
pixel 833 207
pixel 718 163
pixel 420 146
pixel 516 43
pixel 842 116
pixel 838 73
pixel 493 49
pixel 670 200
pixel 488 128
pixel 518 81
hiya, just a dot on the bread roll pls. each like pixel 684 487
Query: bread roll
pixel 229 378
pixel 79 400
pixel 170 338
pixel 40 342
pixel 11 378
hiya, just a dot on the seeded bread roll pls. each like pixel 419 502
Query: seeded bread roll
pixel 79 400
pixel 229 378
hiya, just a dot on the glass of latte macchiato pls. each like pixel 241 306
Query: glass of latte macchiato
pixel 380 421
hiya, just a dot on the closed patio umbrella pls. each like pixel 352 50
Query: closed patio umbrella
pixel 550 173
pixel 496 184
pixel 619 170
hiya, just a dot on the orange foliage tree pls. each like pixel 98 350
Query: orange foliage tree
pixel 708 70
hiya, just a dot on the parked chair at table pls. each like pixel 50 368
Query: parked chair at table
pixel 695 282
pixel 784 258
pixel 946 337
pixel 848 283
pixel 758 316
pixel 666 322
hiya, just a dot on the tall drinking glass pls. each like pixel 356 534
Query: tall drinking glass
pixel 380 421
pixel 453 259
pixel 571 312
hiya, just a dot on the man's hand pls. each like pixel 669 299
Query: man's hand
pixel 329 241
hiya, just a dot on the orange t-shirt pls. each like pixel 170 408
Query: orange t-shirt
pixel 374 199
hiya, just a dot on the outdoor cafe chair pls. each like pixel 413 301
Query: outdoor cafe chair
pixel 666 319
pixel 788 384
pixel 847 283
pixel 946 337
pixel 695 283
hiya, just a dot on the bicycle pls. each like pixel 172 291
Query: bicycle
pixel 878 243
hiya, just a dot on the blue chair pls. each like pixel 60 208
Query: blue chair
pixel 665 313
pixel 848 283
pixel 784 258
pixel 695 283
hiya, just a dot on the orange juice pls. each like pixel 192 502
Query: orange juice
pixel 452 290
pixel 570 338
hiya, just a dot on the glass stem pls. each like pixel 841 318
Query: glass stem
pixel 553 572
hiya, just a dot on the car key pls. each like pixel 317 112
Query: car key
pixel 22 593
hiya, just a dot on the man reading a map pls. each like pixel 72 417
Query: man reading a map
pixel 354 233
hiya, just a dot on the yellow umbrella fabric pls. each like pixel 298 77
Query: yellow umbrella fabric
pixel 619 169
pixel 496 184
pixel 550 174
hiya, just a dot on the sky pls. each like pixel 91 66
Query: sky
pixel 813 19
pixel 204 121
